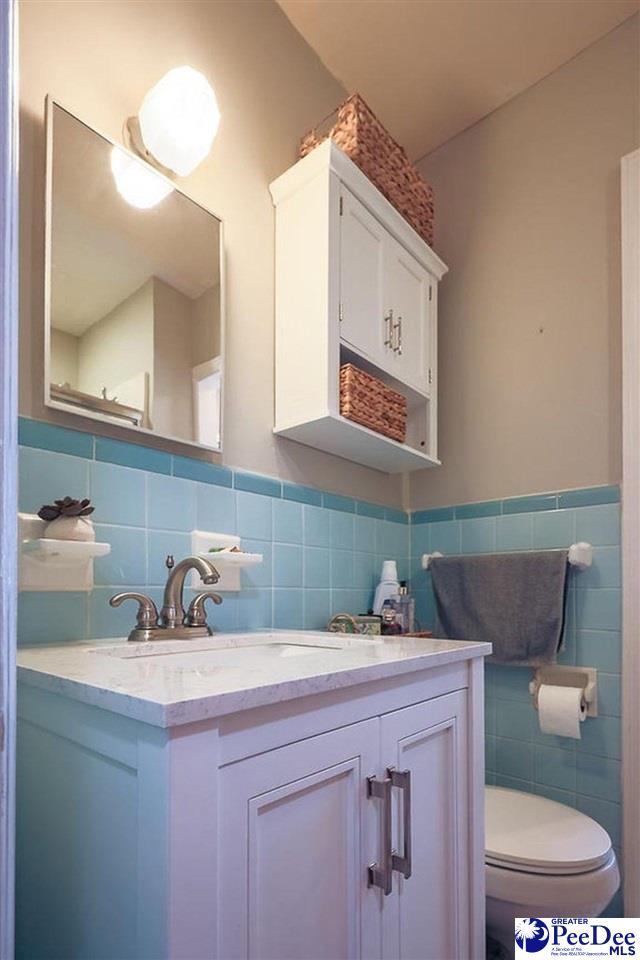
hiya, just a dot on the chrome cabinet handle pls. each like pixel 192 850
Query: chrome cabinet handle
pixel 389 328
pixel 382 876
pixel 398 330
pixel 402 780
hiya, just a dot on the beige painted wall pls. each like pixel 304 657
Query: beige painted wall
pixel 173 348
pixel 119 346
pixel 99 59
pixel 205 331
pixel 527 218
pixel 64 357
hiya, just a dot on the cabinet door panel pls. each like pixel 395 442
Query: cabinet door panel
pixel 407 286
pixel 427 914
pixel 361 278
pixel 296 835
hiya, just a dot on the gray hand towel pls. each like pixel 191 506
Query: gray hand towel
pixel 516 601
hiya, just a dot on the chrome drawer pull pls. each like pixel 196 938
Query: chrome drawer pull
pixel 402 780
pixel 382 876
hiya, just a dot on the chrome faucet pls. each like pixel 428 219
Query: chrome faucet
pixel 174 623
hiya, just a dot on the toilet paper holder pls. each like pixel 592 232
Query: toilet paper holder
pixel 585 678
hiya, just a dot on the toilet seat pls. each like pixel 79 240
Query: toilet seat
pixel 583 894
pixel 529 834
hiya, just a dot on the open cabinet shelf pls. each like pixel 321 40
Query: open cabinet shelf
pixel 345 438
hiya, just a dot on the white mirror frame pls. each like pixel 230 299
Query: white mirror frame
pixel 50 104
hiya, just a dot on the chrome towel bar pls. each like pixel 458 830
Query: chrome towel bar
pixel 580 556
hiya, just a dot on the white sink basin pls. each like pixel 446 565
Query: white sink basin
pixel 234 650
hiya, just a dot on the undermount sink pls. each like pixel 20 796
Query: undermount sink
pixel 233 650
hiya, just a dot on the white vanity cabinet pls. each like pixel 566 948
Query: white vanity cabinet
pixel 345 823
pixel 298 831
pixel 354 283
pixel 300 828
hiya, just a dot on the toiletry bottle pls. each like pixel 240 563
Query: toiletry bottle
pixel 391 625
pixel 388 586
pixel 406 607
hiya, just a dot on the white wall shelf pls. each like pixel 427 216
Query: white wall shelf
pixel 55 565
pixel 354 283
pixel 64 551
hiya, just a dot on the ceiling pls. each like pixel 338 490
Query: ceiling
pixel 431 68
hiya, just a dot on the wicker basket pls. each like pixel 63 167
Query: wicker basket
pixel 370 402
pixel 359 133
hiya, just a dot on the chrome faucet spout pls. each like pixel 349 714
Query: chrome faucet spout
pixel 173 612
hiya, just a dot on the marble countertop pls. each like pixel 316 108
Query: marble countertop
pixel 168 683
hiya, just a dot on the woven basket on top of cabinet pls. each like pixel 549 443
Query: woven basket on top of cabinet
pixel 370 402
pixel 359 134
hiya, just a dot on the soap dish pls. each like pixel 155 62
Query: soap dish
pixel 217 547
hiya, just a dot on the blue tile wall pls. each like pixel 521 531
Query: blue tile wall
pixel 322 552
pixel 585 774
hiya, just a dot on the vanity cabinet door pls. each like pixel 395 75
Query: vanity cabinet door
pixel 427 915
pixel 296 834
pixel 362 251
pixel 407 300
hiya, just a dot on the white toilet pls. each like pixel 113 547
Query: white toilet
pixel 543 859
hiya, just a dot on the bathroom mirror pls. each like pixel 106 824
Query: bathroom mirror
pixel 134 291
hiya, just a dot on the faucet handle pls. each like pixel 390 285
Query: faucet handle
pixel 147 616
pixel 196 614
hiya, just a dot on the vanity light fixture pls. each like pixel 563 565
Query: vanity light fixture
pixel 136 182
pixel 177 122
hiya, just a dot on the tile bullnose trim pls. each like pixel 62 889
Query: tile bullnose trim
pixel 372 510
pixel 301 494
pixel 49 436
pixel 203 471
pixel 435 515
pixel 133 455
pixel 335 501
pixel 40 434
pixel 511 506
pixel 257 483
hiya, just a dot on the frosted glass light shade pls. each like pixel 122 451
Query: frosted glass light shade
pixel 137 182
pixel 179 119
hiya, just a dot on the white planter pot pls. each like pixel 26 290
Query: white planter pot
pixel 70 528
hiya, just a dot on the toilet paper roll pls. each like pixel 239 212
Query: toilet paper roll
pixel 561 710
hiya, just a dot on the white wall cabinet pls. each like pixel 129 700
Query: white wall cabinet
pixel 354 283
pixel 408 296
pixel 363 294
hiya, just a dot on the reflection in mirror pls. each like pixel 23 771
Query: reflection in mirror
pixel 134 325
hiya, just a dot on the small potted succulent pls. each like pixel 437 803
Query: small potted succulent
pixel 68 520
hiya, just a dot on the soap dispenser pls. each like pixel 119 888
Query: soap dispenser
pixel 388 586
